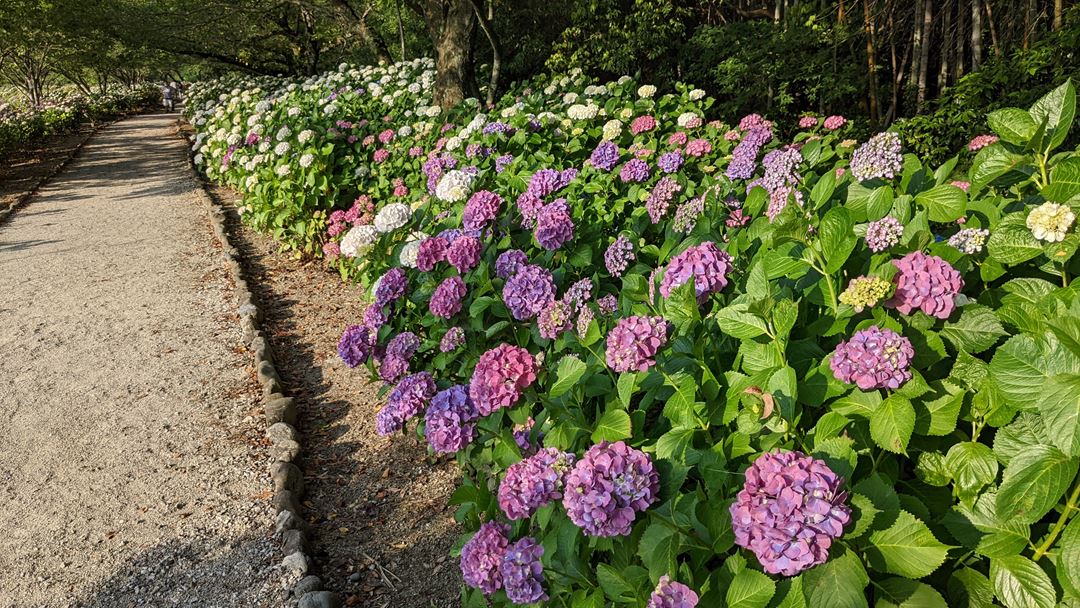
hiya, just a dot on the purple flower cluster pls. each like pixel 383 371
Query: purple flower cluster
pixel 579 293
pixel 446 299
pixel 744 156
pixel 927 283
pixel 670 162
pixel 500 376
pixel 452 340
pixel 502 162
pixel 482 556
pixel 670 594
pixel 355 345
pixel 391 286
pixel 878 158
pixel 658 201
pixel 554 226
pixel 554 319
pixel 509 263
pixel 608 487
pixel 781 177
pixel 605 156
pixel 395 359
pixel 407 399
pixel 448 422
pixel 464 253
pixel 884 233
pixel 635 170
pixel 873 358
pixel 687 214
pixel 618 256
pixel 533 482
pixel 432 251
pixel 521 433
pixel 482 208
pixel 523 573
pixel 608 304
pixel 528 291
pixel 706 263
pixel 789 511
pixel 634 341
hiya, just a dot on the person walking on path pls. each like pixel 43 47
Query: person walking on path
pixel 167 97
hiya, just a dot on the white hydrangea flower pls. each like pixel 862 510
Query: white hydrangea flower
pixel 696 94
pixel 582 111
pixel 612 129
pixel 404 131
pixel 392 217
pixel 282 148
pixel 623 80
pixel 330 109
pixel 258 159
pixel 409 251
pixel 306 160
pixel 358 239
pixel 233 139
pixel 453 143
pixel 646 91
pixel 414 88
pixel 305 136
pixel 282 170
pixel 1050 222
pixel 685 119
pixel 454 186
pixel 258 128
pixel 626 113
pixel 550 90
pixel 198 159
pixel 361 171
pixel 283 133
pixel 262 106
pixel 570 98
pixel 293 111
pixel 251 182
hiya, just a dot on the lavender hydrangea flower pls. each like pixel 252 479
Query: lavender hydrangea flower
pixel 634 341
pixel 670 162
pixel 635 170
pixel 408 399
pixel 878 158
pixel 670 594
pixel 554 319
pixel 374 318
pixel 554 226
pixel 528 291
pixel 464 253
pixel 448 422
pixel 884 233
pixel 579 293
pixel 608 304
pixel 789 511
pixel 446 299
pixel 482 556
pixel 509 262
pixel 658 201
pixel 687 214
pixel 927 283
pixel 452 340
pixel 392 286
pixel 521 434
pixel 781 177
pixel 969 240
pixel 584 320
pixel 605 156
pixel 355 345
pixel 618 256
pixel 500 376
pixel 706 263
pixel 482 208
pixel 432 251
pixel 529 205
pixel 873 358
pixel 608 487
pixel 502 162
pixel 522 572
pixel 392 368
pixel 533 482
pixel 403 345
pixel 744 156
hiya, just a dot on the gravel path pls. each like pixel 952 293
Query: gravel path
pixel 132 464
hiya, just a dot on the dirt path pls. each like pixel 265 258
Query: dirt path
pixel 132 471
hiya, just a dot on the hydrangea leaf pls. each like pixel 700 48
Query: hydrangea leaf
pixel 567 374
pixel 991 163
pixel 837 238
pixel 969 588
pixel 838 583
pixel 1020 583
pixel 936 414
pixel 658 547
pixel 1068 556
pixel 750 589
pixel 892 423
pixel 931 469
pixel 1012 242
pixel 626 386
pixel 1026 430
pixel 880 203
pixel 1064 181
pixel 612 426
pixel 907 548
pixel 823 189
pixel 1055 111
pixel 976 330
pixel 739 324
pixel 972 466
pixel 1059 404
pixel 903 593
pixel 1019 372
pixel 616 586
pixel 944 203
pixel 1012 125
pixel 1033 482
pixel 790 593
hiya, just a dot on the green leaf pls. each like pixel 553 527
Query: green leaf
pixel 972 465
pixel 1012 125
pixel 837 238
pixel 1020 583
pixel 938 416
pixel 880 203
pixel 1056 109
pixel 823 189
pixel 1033 482
pixel 1064 181
pixel 1018 435
pixel 738 324
pixel 907 548
pixel 998 537
pixel 676 444
pixel 1068 561
pixel 681 307
pixel 977 329
pixel 892 423
pixel 991 163
pixel 1012 242
pixel 944 203
pixel 626 386
pixel 750 589
pixel 658 547
pixel 838 583
pixel 902 593
pixel 613 426
pixel 614 584
pixel 970 589
pixel 1059 404
pixel 1019 372
pixel 567 374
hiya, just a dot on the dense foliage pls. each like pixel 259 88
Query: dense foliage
pixel 688 363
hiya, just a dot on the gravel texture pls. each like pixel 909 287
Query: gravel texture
pixel 133 464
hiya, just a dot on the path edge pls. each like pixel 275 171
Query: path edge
pixel 291 530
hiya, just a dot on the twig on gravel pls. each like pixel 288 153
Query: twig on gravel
pixel 383 572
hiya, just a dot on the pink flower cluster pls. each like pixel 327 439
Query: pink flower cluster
pixel 533 482
pixel 634 341
pixel 706 263
pixel 500 376
pixel 927 283
pixel 608 487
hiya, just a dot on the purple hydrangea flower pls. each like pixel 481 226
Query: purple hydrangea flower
pixel 781 177
pixel 408 399
pixel 670 162
pixel 635 170
pixel 744 156
pixel 528 291
pixel 452 340
pixel 554 226
pixel 522 572
pixel 482 208
pixel 529 205
pixel 403 345
pixel 608 487
pixel 670 594
pixel 608 304
pixel 618 256
pixel 605 156
pixel 392 286
pixel 873 358
pixel 500 376
pixel 355 345
pixel 446 299
pixel 927 283
pixel 482 556
pixel 509 262
pixel 789 511
pixel 660 198
pixel 878 157
pixel 579 293
pixel 374 318
pixel 448 422
pixel 464 253
pixel 521 433
pixel 432 251
pixel 502 162
pixel 392 368
pixel 884 233
pixel 705 263
pixel 533 482
pixel 554 319
pixel 634 341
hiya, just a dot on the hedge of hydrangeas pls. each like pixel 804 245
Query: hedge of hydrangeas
pixel 683 362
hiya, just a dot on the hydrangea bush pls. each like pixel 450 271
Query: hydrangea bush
pixel 683 362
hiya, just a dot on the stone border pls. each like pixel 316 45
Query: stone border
pixel 290 528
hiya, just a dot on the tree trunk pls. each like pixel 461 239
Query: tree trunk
pixel 484 19
pixel 400 28
pixel 1029 19
pixel 916 44
pixel 976 35
pixel 871 68
pixel 451 24
pixel 370 37
pixel 993 30
pixel 1059 9
pixel 946 46
pixel 924 53
pixel 961 39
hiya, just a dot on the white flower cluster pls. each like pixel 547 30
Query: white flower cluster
pixel 1050 222
pixel 358 240
pixel 454 186
pixel 392 217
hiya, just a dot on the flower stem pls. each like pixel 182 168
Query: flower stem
pixel 1069 507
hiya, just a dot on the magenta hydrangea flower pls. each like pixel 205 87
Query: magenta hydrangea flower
pixel 533 482
pixel 482 556
pixel 448 422
pixel 432 251
pixel 698 148
pixel 670 162
pixel 392 286
pixel 509 262
pixel 706 263
pixel 500 376
pixel 355 345
pixel 446 299
pixel 464 253
pixel 807 122
pixel 642 124
pixel 981 141
pixel 605 156
pixel 608 304
pixel 634 341
pixel 873 358
pixel 408 399
pixel 834 122
pixel 879 157
pixel 618 256
pixel 884 233
pixel 554 226
pixel 789 511
pixel 554 319
pixel 658 201
pixel 670 594
pixel 635 170
pixel 608 487
pixel 927 283
pixel 482 208
pixel 754 121
pixel 452 340
pixel 522 572
pixel 528 291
